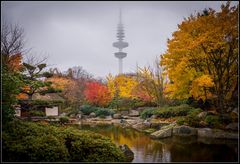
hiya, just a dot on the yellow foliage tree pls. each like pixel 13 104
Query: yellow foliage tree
pixel 122 85
pixel 151 81
pixel 205 45
pixel 200 87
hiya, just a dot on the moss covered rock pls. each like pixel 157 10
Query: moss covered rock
pixel 184 131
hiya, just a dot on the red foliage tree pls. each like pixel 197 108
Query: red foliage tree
pixel 97 94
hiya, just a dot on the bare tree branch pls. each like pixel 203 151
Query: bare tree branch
pixel 12 39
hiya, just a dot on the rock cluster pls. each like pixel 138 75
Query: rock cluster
pixel 129 155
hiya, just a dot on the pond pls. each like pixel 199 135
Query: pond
pixel 175 149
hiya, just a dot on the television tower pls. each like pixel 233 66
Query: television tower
pixel 120 44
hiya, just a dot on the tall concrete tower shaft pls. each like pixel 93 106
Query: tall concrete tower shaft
pixel 120 44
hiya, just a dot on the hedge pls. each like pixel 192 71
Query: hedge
pixel 87 109
pixel 167 112
pixel 36 142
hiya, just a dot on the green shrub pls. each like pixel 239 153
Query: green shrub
pixel 36 113
pixel 104 112
pixel 36 142
pixel 173 111
pixel 102 116
pixel 195 111
pixel 126 103
pixel 181 121
pixel 63 120
pixel 87 109
pixel 170 111
pixel 213 121
pixel 148 112
pixel 41 148
pixel 192 121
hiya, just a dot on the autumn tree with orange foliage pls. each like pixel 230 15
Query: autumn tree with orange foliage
pixel 97 94
pixel 72 83
pixel 202 57
pixel 67 85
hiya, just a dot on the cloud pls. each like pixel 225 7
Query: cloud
pixel 82 33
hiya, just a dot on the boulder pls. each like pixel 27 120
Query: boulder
pixel 63 114
pixel 163 133
pixel 155 125
pixel 124 112
pixel 134 113
pixel 139 126
pixel 117 116
pixel 128 153
pixel 184 131
pixel 168 125
pixel 78 116
pixel 125 117
pixel 147 123
pixel 232 126
pixel 154 116
pixel 108 117
pixel 216 133
pixel 92 115
pixel 202 115
pixel 132 122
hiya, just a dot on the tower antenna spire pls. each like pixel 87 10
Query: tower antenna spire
pixel 120 15
pixel 120 44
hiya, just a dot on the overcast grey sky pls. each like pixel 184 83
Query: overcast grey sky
pixel 81 33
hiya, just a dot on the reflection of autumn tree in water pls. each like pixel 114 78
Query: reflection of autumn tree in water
pixel 153 149
pixel 139 143
pixel 167 150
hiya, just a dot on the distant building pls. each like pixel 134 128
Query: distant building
pixel 49 104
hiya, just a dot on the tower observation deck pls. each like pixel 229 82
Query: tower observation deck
pixel 120 44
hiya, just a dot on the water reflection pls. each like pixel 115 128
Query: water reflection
pixel 176 149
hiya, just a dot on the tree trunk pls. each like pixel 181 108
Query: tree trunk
pixel 220 100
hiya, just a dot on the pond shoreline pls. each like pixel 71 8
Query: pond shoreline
pixel 146 149
pixel 166 130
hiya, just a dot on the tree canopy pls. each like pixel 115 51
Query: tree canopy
pixel 202 56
